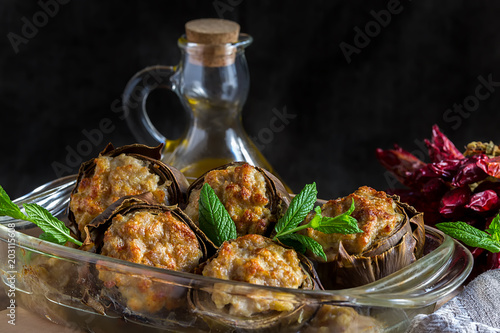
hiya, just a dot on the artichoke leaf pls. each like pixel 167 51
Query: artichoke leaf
pixel 356 270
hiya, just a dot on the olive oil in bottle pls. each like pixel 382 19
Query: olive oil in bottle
pixel 212 83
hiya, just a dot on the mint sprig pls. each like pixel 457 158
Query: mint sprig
pixel 471 236
pixel 340 224
pixel 54 230
pixel 214 219
pixel 300 206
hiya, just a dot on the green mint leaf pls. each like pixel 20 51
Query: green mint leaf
pixel 293 243
pixel 214 219
pixel 49 238
pixel 54 230
pixel 300 206
pixel 306 242
pixel 494 228
pixel 341 224
pixel 59 233
pixel 317 218
pixel 469 235
pixel 351 209
pixel 8 208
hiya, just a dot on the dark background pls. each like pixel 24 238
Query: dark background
pixel 66 77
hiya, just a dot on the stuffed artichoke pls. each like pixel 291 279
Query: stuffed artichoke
pixel 393 237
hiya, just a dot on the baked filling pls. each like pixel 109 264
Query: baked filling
pixel 242 190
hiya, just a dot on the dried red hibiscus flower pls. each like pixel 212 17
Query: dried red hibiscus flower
pixel 452 187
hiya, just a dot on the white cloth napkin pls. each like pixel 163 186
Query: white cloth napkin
pixel 475 309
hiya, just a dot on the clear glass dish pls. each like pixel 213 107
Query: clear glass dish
pixel 62 284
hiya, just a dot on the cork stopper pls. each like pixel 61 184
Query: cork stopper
pixel 213 38
pixel 212 31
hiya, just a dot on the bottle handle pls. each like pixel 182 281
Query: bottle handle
pixel 135 95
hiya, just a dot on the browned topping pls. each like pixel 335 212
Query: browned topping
pixel 242 190
pixel 258 260
pixel 158 240
pixel 114 177
pixel 376 216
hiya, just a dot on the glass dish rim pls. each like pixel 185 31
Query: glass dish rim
pixel 373 294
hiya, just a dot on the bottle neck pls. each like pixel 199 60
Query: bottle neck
pixel 218 88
